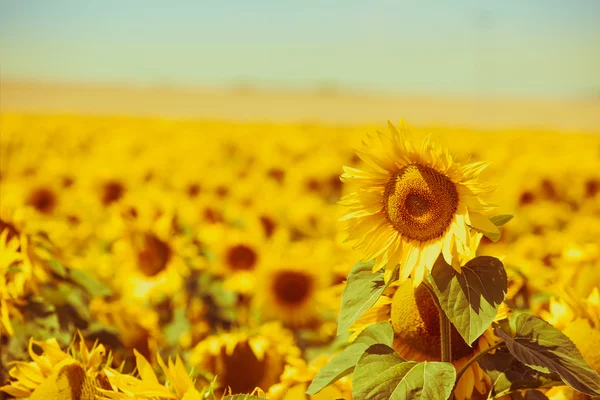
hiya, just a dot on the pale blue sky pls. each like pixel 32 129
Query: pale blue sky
pixel 509 47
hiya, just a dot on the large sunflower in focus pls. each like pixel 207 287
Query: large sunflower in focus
pixel 409 205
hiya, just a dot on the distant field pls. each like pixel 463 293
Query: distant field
pixel 572 115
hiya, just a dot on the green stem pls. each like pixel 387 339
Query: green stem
pixel 445 337
pixel 477 357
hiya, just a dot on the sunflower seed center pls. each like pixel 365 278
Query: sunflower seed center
pixel 420 202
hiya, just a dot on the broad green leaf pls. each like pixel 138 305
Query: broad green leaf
pixel 91 285
pixel 471 298
pixel 501 219
pixel 541 347
pixel 381 374
pixel 508 374
pixel 362 290
pixel 498 221
pixel 344 363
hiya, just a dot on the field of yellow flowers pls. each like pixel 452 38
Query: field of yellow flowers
pixel 160 259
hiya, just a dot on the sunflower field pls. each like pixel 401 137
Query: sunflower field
pixel 146 258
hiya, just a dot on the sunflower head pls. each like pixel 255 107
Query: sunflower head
pixel 416 322
pixel 420 202
pixel 245 360
pixel 295 278
pixel 75 374
pixel 410 205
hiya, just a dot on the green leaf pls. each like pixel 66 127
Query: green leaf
pixel 57 268
pixel 178 326
pixel 541 347
pixel 344 363
pixel 471 298
pixel 501 219
pixel 362 290
pixel 243 397
pixel 381 374
pixel 508 374
pixel 497 220
pixel 91 285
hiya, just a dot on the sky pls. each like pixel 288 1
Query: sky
pixel 478 47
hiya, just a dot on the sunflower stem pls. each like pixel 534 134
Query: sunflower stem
pixel 445 327
pixel 475 358
pixel 446 338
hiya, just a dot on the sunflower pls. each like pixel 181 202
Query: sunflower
pixel 15 271
pixel 76 374
pixel 579 319
pixel 298 375
pixel 415 320
pixel 237 253
pixel 410 205
pixel 245 359
pixel 137 325
pixel 151 254
pixel 294 283
pixel 178 383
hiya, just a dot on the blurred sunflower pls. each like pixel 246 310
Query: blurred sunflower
pixel 137 325
pixel 23 268
pixel 298 375
pixel 410 205
pixel 579 319
pixel 245 359
pixel 415 319
pixel 151 254
pixel 15 271
pixel 238 252
pixel 75 375
pixel 294 280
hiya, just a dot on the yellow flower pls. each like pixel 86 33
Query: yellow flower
pixel 298 375
pixel 415 321
pixel 245 359
pixel 56 374
pixel 293 282
pixel 138 325
pixel 149 257
pixel 579 319
pixel 238 252
pixel 412 204
pixel 178 385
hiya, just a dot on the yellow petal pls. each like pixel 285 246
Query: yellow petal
pixel 482 223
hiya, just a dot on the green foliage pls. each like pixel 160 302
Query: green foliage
pixel 243 397
pixel 381 374
pixel 471 298
pixel 91 285
pixel 508 374
pixel 497 220
pixel 344 363
pixel 176 328
pixel 543 348
pixel 362 290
